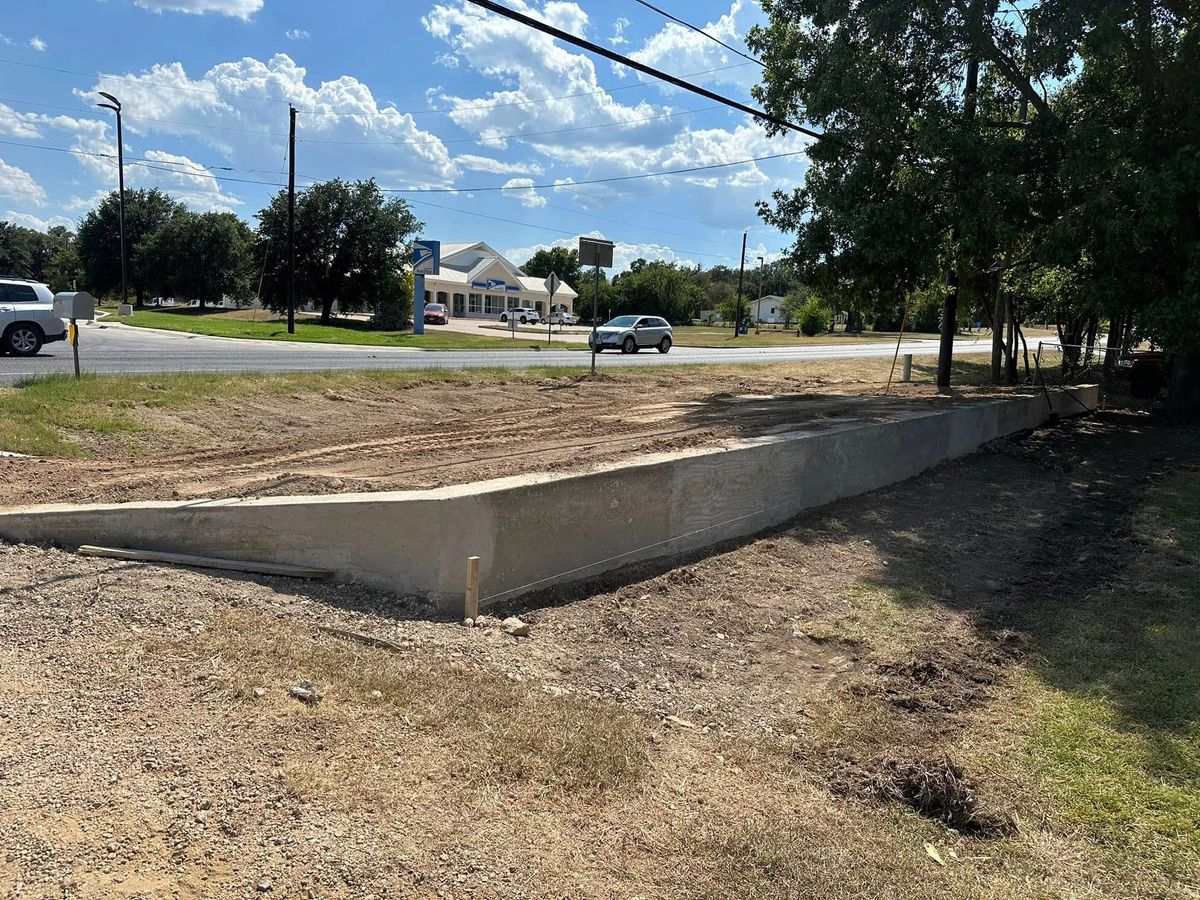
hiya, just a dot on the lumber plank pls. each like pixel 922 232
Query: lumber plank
pixel 207 562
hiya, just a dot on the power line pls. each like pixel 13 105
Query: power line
pixel 609 180
pixel 641 67
pixel 519 135
pixel 665 14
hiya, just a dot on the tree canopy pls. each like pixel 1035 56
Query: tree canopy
pixel 1075 164
pixel 351 247
pixel 203 256
pixel 99 243
pixel 561 261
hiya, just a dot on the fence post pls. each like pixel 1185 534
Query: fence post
pixel 471 600
pixel 906 367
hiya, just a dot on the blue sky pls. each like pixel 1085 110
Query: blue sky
pixel 415 93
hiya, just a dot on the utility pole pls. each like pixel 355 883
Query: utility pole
pixel 758 312
pixel 950 306
pixel 737 317
pixel 291 291
pixel 115 106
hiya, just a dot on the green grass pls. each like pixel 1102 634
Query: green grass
pixel 719 336
pixel 238 324
pixel 1117 736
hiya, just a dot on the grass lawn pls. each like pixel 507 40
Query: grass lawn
pixel 716 336
pixel 266 326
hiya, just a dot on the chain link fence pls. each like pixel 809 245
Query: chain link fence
pixel 1126 381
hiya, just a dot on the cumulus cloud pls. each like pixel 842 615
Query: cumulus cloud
pixel 27 220
pixel 37 44
pixel 618 36
pixel 296 34
pixel 17 184
pixel 241 9
pixel 522 188
pixel 496 167
pixel 679 49
pixel 233 113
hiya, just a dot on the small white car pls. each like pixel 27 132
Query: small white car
pixel 524 314
pixel 27 319
pixel 563 318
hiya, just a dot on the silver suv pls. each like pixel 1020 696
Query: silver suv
pixel 27 319
pixel 629 334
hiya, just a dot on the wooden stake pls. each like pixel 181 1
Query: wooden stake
pixel 471 601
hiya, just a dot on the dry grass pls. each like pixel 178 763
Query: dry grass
pixel 481 726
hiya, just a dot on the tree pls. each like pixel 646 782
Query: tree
pixel 351 247
pixel 99 243
pixel 561 261
pixel 657 288
pixel 49 258
pixel 203 256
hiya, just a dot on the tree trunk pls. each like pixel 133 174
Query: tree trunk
pixel 326 310
pixel 1010 351
pixel 997 329
pixel 139 296
pixel 1183 391
pixel 1112 347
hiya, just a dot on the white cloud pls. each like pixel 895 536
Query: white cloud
pixel 30 221
pixel 296 34
pixel 522 188
pixel 187 181
pixel 5 39
pixel 37 44
pixel 17 184
pixel 226 102
pixel 624 252
pixel 618 36
pixel 16 124
pixel 546 87
pixel 679 49
pixel 496 167
pixel 242 9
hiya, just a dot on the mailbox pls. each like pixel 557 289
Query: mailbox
pixel 75 305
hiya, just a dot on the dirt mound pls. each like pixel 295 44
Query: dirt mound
pixel 937 788
pixel 945 677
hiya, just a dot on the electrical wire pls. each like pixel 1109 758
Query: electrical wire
pixel 667 15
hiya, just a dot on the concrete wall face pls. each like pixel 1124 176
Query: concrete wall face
pixel 418 541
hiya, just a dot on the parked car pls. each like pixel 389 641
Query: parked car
pixel 631 333
pixel 27 319
pixel 524 314
pixel 436 314
pixel 563 318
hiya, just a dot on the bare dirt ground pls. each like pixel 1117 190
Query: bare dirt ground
pixel 712 727
pixel 415 434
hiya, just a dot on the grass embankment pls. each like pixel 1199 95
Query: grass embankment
pixel 267 327
pixel 60 416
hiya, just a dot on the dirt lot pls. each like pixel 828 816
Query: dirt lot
pixel 346 433
pixel 1007 644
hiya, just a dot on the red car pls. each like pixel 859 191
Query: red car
pixel 436 314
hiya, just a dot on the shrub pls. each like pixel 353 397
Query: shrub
pixel 814 317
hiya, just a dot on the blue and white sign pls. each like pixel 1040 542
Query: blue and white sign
pixel 427 257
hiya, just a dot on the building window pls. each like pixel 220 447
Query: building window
pixel 442 297
pixel 475 303
pixel 428 297
pixel 493 305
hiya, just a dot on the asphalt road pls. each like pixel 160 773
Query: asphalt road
pixel 117 349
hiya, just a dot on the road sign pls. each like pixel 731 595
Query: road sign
pixel 552 283
pixel 427 257
pixel 595 252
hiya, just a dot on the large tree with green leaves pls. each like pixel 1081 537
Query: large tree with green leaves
pixel 203 256
pixel 657 288
pixel 351 247
pixel 1076 153
pixel 99 242
pixel 48 257
pixel 562 261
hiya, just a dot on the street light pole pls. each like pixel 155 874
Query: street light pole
pixel 115 106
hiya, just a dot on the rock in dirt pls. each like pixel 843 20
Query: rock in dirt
pixel 306 691
pixel 516 627
pixel 376 695
pixel 265 885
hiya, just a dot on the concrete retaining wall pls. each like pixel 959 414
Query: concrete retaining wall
pixel 418 541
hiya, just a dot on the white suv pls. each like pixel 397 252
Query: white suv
pixel 27 318
pixel 523 314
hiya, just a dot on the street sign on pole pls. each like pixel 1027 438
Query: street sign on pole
pixel 596 252
pixel 426 260
pixel 552 284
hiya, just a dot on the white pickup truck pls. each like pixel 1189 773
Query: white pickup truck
pixel 27 319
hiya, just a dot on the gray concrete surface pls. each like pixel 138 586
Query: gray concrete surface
pixel 116 349
pixel 419 541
